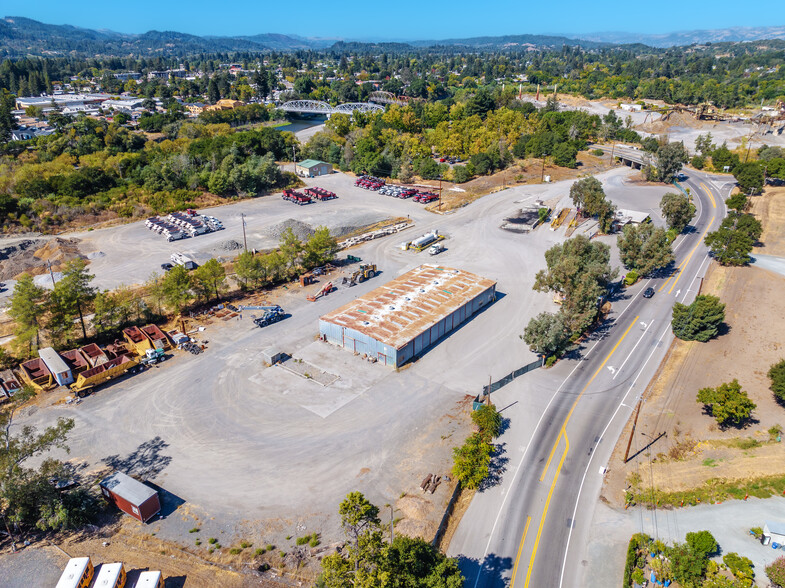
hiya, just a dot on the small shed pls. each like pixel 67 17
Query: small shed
pixel 311 168
pixel 57 366
pixel 131 496
pixel 773 532
pixel 150 580
pixel 273 355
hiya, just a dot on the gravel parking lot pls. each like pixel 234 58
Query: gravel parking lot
pixel 238 441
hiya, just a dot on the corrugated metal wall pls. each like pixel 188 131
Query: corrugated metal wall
pixel 361 343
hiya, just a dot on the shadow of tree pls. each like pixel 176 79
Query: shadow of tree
pixel 492 568
pixel 496 468
pixel 145 461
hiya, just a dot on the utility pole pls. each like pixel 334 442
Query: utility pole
pixel 440 192
pixel 542 175
pixel 245 242
pixel 634 423
pixel 294 160
pixel 49 263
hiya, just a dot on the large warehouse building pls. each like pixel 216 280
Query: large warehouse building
pixel 401 319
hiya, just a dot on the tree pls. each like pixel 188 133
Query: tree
pixel 703 143
pixel 579 271
pixel 320 248
pixel 644 248
pixel 471 461
pixel 740 567
pixel 488 420
pixel 670 160
pixel 687 566
pixel 677 210
pixel 73 292
pixel 699 321
pixel 749 177
pixel 732 243
pixel 7 118
pixel 737 202
pixel 417 563
pixel 26 311
pixel 588 195
pixel 777 376
pixel 702 542
pixel 547 334
pixel 249 268
pixel 368 561
pixel 213 94
pixel 210 278
pixel 291 247
pixel 28 498
pixel 775 572
pixel 722 158
pixel 358 516
pixel 176 288
pixel 727 403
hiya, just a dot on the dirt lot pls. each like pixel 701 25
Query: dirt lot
pixel 529 171
pixel 695 449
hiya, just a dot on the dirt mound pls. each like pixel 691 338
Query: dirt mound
pixel 676 119
pixel 34 256
pixel 301 230
pixel 228 246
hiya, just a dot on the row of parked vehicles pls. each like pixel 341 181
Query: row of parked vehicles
pixel 369 182
pixel 308 195
pixel 379 185
pixel 180 225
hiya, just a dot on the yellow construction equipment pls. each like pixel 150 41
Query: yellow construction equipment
pixel 93 377
pixel 365 272
pixel 560 218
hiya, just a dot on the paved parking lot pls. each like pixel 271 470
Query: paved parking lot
pixel 239 441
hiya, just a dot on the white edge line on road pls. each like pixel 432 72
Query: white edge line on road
pixel 618 371
pixel 602 435
pixel 534 432
pixel 594 451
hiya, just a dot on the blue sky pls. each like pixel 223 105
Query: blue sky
pixel 404 19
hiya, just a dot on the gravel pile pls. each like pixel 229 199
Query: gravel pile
pixel 15 259
pixel 96 255
pixel 301 230
pixel 230 245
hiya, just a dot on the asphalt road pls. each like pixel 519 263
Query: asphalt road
pixel 532 529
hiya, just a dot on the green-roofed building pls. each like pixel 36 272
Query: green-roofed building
pixel 311 168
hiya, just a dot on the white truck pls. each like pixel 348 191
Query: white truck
pixel 183 260
pixel 435 249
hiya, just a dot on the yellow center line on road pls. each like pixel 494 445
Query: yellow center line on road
pixel 683 264
pixel 574 404
pixel 520 549
pixel 687 259
pixel 711 196
pixel 544 514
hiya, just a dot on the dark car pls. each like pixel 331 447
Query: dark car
pixel 648 292
pixel 166 266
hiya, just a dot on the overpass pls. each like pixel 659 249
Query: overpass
pixel 319 107
pixel 631 156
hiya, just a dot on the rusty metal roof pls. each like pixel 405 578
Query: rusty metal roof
pixel 398 311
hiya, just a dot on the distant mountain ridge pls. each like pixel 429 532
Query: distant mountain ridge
pixel 20 36
pixel 680 38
